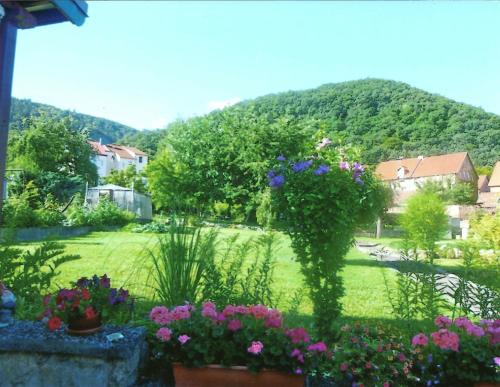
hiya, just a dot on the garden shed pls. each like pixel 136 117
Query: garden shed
pixel 125 198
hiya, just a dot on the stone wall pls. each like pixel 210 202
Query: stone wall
pixel 32 356
pixel 41 233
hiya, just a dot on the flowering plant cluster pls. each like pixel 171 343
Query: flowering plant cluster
pixel 252 336
pixel 322 198
pixel 458 352
pixel 87 299
pixel 368 356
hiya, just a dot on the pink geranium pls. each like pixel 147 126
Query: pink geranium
pixel 273 319
pixel 209 310
pixel 462 322
pixel 318 347
pixel 298 335
pixel 259 311
pixel 164 334
pixel 442 321
pixel 420 340
pixel 183 339
pixel 475 330
pixel 445 339
pixel 181 312
pixel 229 310
pixel 296 353
pixel 234 325
pixel 256 347
pixel 160 315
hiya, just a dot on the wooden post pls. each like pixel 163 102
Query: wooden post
pixel 8 34
pixel 379 228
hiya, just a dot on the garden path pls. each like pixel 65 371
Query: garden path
pixel 446 281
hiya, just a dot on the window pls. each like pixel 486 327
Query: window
pixel 140 159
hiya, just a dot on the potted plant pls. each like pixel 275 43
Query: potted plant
pixel 236 346
pixel 459 352
pixel 85 305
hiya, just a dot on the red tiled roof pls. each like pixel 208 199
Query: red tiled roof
pixel 422 167
pixel 495 176
pixel 120 151
pixel 138 152
pixel 97 147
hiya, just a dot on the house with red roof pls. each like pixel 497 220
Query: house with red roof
pixel 111 157
pixel 405 176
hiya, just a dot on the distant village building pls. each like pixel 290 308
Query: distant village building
pixel 116 157
pixel 405 176
pixel 489 199
pixel 482 184
pixel 494 183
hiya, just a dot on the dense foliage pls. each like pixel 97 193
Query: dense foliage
pixel 98 128
pixel 223 156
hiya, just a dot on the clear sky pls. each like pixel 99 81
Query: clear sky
pixel 145 64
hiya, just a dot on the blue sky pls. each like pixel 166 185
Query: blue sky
pixel 148 63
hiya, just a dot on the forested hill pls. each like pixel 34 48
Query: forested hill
pixel 390 119
pixel 100 128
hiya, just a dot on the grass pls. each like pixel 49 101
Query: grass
pixel 121 255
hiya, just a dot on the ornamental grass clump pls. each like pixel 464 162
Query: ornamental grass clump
pixel 252 336
pixel 322 198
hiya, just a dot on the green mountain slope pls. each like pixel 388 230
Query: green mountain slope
pixel 100 128
pixel 390 119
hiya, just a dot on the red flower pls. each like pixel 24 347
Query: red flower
pixel 54 323
pixel 85 294
pixel 89 312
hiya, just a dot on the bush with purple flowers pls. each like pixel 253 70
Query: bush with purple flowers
pixel 322 198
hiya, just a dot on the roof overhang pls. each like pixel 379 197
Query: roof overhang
pixel 31 14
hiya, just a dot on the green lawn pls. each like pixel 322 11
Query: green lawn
pixel 122 256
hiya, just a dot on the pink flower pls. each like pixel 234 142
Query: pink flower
pixel 368 365
pixel 344 367
pixel 462 322
pixel 208 310
pixel 420 340
pixel 298 371
pixel 160 315
pixel 496 360
pixel 181 312
pixel 387 384
pixel 242 309
pixel 445 339
pixel 258 311
pixel 401 357
pixel 344 165
pixel 318 347
pixel 229 310
pixel 164 334
pixel 298 335
pixel 475 330
pixel 273 319
pixel 296 353
pixel 256 347
pixel 442 321
pixel 234 325
pixel 183 339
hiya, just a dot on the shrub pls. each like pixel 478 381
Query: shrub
pixel 265 214
pixel 107 213
pixel 49 214
pixel 322 200
pixel 425 222
pixel 485 229
pixel 221 209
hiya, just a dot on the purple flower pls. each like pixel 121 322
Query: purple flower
pixel 344 165
pixel 301 166
pixel 357 167
pixel 105 282
pixel 271 174
pixel 322 169
pixel 497 361
pixel 277 181
pixel 82 282
pixel 357 180
pixel 281 158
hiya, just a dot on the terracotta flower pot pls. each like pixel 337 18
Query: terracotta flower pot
pixel 216 376
pixel 84 326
